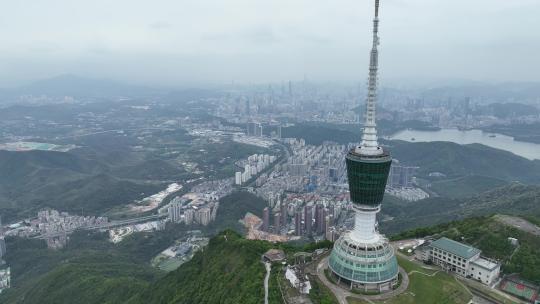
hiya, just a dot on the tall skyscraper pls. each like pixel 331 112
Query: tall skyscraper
pixel 238 178
pixel 204 216
pixel 320 218
pixel 362 257
pixel 2 241
pixel 2 247
pixel 189 215
pixel 284 209
pixel 298 222
pixel 266 219
pixel 277 223
pixel 308 219
pixel 254 129
pixel 175 213
pixel 401 176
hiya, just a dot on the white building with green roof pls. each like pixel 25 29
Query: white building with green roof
pixel 463 260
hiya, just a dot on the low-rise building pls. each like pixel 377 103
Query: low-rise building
pixel 461 259
pixel 484 270
pixel 274 255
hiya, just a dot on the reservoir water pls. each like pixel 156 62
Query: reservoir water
pixel 498 141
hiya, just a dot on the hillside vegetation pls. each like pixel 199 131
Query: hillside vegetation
pixel 88 270
pixel 461 160
pixel 515 198
pixel 467 186
pixel 33 180
pixel 35 269
pixel 229 271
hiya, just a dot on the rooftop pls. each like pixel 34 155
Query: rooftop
pixel 274 255
pixel 485 263
pixel 457 248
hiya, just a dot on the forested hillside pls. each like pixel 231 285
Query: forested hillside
pixel 515 198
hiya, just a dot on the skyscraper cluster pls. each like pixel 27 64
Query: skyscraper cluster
pixel 401 176
pixel 309 220
pixel 202 213
pixel 254 129
pixel 254 165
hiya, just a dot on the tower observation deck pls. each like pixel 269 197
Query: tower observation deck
pixel 362 257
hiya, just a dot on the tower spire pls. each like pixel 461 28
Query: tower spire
pixel 368 167
pixel 370 145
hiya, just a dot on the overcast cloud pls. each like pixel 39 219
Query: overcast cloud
pixel 219 41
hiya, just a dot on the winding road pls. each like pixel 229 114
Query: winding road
pixel 268 267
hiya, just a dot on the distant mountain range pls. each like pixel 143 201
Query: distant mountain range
pixel 456 160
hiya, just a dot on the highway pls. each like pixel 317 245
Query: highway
pixel 104 226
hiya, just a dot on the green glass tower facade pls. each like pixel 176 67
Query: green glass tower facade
pixel 367 177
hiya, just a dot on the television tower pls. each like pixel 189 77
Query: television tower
pixel 362 257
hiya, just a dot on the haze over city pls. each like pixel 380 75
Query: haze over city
pixel 276 152
pixel 173 43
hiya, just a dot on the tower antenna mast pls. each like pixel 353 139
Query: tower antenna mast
pixel 370 145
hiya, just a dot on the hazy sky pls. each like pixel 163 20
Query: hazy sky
pixel 177 42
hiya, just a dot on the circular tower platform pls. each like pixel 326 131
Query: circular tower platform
pixel 365 266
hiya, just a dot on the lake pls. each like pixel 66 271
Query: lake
pixel 498 141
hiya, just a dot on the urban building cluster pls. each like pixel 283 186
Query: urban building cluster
pixel 193 209
pixel 401 176
pixel 306 215
pixel 54 226
pixel 254 165
pixel 458 112
pixel 309 169
pixel 308 193
pixel 306 102
pixel 53 221
pixel 301 101
pixel 321 169
pixel 402 182
pixel 199 206
pixel 254 129
pixel 461 259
